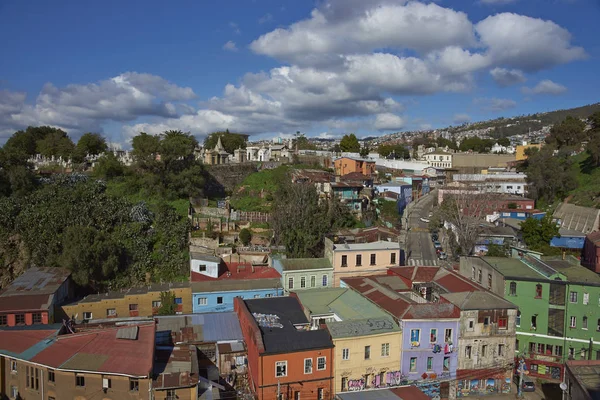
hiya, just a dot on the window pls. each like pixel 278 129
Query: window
pixel 573 297
pixel 598 325
pixel 393 258
pixel 373 259
pixel 433 336
pixel 87 315
pixel 486 321
pixel 532 347
pixel 468 352
pixel 344 261
pixel 429 363
pixel 359 260
pixel 37 318
pixel 3 320
pixel 448 335
pixel 157 304
pixel 297 395
pixel 133 307
pixel 202 268
pixel 367 352
pixel 171 394
pixel 345 354
pixel 321 363
pixel 32 380
pixel 571 352
pixel 313 281
pixel 538 291
pixel 202 301
pixel 13 366
pixel 14 392
pixel 178 300
pixel 483 350
pixel 534 322
pixel 111 312
pixel 573 322
pixel 302 282
pixel 308 365
pixel 501 350
pixel 471 325
pixel 489 281
pixel 558 351
pixel 106 383
pixel 586 298
pixel 584 323
pixel 320 394
pixel 134 385
pixel 220 300
pixel 413 364
pixel 597 354
pixel 473 273
pixel 20 319
pixel 479 276
pixel 280 369
pixel 325 279
pixel 502 323
pixel 80 381
pixel 446 365
pixel 541 347
pixel 415 335
pixel 51 376
pixel 269 295
pixel 291 282
pixel 518 319
pixel 385 350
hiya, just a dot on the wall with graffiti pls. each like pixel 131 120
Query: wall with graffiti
pixel 481 387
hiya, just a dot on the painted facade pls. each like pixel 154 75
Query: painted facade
pixel 591 252
pixel 304 273
pixel 347 165
pixel 222 301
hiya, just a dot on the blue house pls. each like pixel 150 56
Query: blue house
pixel 216 293
pixel 568 239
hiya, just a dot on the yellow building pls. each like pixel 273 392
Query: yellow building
pixel 520 150
pixel 367 339
pixel 134 302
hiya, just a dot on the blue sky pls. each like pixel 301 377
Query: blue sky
pixel 271 68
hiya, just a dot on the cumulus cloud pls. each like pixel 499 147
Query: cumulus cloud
pixel 507 77
pixel 530 44
pixel 388 122
pixel 461 118
pixel 495 104
pixel 545 87
pixel 230 46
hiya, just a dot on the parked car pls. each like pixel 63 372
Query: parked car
pixel 528 384
pixel 443 256
pixel 437 245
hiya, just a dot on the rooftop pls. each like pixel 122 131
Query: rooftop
pixel 355 176
pixel 582 219
pixel 378 245
pixel 115 350
pixel 33 290
pixel 134 291
pixel 594 237
pixel 512 267
pixel 587 374
pixel 571 268
pixel 205 257
pixel 238 272
pixel 399 393
pixel 356 159
pixel 175 367
pixel 480 300
pixel 298 264
pixel 284 327
pixel 198 328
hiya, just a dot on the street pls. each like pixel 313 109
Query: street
pixel 420 250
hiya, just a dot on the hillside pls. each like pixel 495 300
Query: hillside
pixel 587 193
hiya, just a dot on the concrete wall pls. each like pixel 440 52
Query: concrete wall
pixel 474 267
pixel 223 301
pixel 297 276
pixel 383 260
pixel 476 160
pixel 212 268
pixel 356 367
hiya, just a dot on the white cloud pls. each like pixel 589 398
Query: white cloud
pixel 268 17
pixel 507 77
pixel 545 87
pixel 495 104
pixel 530 44
pixel 461 118
pixel 234 28
pixel 497 2
pixel 388 122
pixel 230 46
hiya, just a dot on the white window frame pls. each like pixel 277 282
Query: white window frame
pixel 427 365
pixel 573 322
pixel 202 301
pixel 448 337
pixel 385 349
pixel 324 360
pixel 282 364
pixel 586 299
pixel 313 281
pixel 303 282
pixel 416 369
pixel 436 335
pixel 345 354
pixel 325 280
pixel 308 365
pixel 89 315
pixel 156 303
pixel 571 297
pixel 584 322
pixel 13 366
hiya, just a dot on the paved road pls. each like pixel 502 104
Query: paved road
pixel 418 241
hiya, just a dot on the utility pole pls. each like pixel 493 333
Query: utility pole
pixel 522 371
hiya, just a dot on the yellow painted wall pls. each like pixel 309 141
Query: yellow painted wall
pixel 382 263
pixel 520 150
pixel 356 366
pixel 144 302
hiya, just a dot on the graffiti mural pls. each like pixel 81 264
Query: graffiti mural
pixel 355 385
pixel 480 387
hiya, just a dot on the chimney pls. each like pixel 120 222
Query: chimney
pixel 564 254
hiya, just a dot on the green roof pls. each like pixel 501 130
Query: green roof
pixel 297 264
pixel 513 267
pixel 574 272
pixel 317 300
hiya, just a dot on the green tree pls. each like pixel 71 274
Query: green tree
pixel 90 144
pixel 167 304
pixel 504 142
pixel 108 167
pixel 537 233
pixel 145 149
pixel 549 176
pixel 364 151
pixel 567 133
pixel 476 144
pixel 443 142
pixel 395 151
pixel 301 142
pixel 593 146
pixel 245 236
pixel 177 147
pixel 349 143
pixel 495 250
pixel 56 144
pixel 230 141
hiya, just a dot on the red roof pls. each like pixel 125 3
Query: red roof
pixel 17 341
pixel 455 284
pixel 409 392
pixel 239 271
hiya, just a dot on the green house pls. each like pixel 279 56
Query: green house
pixel 559 307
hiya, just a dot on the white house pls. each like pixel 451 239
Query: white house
pixel 439 159
pixel 205 264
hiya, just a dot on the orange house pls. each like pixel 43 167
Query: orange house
pixel 286 360
pixel 347 165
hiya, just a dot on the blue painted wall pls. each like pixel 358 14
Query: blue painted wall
pixel 227 304
pixel 522 214
pixel 568 242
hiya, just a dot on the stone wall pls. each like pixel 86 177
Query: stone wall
pixel 223 178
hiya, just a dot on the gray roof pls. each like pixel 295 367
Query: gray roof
pixel 235 285
pixel 582 219
pixel 379 245
pixel 362 327
pixel 205 257
pixel 209 327
pixel 157 287
pixel 298 264
pixel 36 281
pixel 570 232
pixel 478 301
pixel 512 223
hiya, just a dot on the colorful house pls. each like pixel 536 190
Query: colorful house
pixel 367 340
pixel 303 273
pixel 347 165
pixel 591 252
pixel 286 359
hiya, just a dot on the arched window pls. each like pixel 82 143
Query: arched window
pixel 518 319
pixel 538 290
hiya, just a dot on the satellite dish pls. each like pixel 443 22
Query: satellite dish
pixel 563 386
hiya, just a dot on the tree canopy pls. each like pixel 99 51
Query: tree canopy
pixel 567 133
pixel 396 151
pixel 476 144
pixel 349 143
pixel 231 141
pixel 302 143
pixel 537 233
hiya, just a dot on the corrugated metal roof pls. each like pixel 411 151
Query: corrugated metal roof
pixel 37 281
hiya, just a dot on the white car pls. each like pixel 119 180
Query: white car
pixel 424 220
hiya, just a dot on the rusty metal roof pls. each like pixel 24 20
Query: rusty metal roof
pixel 33 290
pixel 175 367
